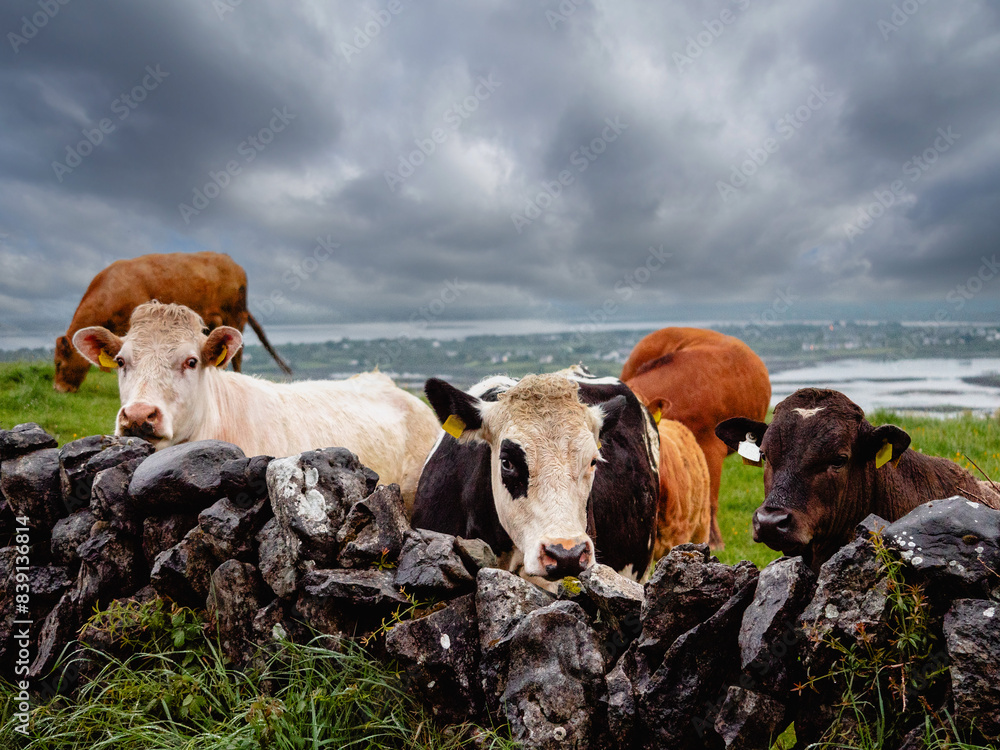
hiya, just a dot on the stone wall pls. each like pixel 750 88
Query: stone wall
pixel 705 655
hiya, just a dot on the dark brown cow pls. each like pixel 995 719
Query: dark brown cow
pixel 211 284
pixel 703 378
pixel 821 478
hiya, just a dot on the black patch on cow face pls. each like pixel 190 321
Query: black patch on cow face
pixel 513 469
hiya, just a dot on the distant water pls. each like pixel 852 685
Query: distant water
pixel 909 385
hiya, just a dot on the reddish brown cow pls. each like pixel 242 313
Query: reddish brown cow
pixel 703 377
pixel 684 511
pixel 826 468
pixel 211 284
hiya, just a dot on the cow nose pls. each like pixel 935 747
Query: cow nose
pixel 141 420
pixel 561 560
pixel 771 526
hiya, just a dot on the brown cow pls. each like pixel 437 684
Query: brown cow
pixel 826 468
pixel 684 511
pixel 211 284
pixel 703 378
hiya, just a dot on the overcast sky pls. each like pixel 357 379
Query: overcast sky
pixel 369 160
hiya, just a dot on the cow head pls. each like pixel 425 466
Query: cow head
pixel 71 368
pixel 162 363
pixel 820 455
pixel 545 447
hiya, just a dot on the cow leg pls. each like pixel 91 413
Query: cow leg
pixel 715 452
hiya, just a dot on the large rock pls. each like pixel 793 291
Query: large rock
pixel 476 554
pixel 439 654
pixel 232 528
pixel 68 534
pixel 183 573
pixel 45 584
pixel 851 598
pixel 430 566
pixel 374 530
pixel 110 500
pixel 687 587
pixel 953 543
pixel 311 494
pixel 160 533
pixel 851 602
pixel 22 439
pixel 348 602
pixel 238 593
pixel 182 477
pixel 972 635
pixel 244 480
pixel 502 601
pixel 81 460
pixel 769 636
pixel 678 706
pixel 30 482
pixel 619 598
pixel 552 683
pixel 61 626
pixel 112 566
pixel 749 720
pixel 278 561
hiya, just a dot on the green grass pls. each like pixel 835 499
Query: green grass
pixel 27 395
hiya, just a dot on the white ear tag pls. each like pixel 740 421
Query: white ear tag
pixel 749 450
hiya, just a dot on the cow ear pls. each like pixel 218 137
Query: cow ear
pixel 658 407
pixel 609 412
pixel 98 346
pixel 734 431
pixel 876 444
pixel 457 411
pixel 220 346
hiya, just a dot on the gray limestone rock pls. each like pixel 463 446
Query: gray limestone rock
pixel 184 477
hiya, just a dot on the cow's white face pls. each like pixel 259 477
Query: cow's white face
pixel 544 451
pixel 161 366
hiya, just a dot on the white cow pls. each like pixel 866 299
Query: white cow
pixel 174 389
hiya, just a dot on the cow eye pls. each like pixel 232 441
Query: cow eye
pixel 506 466
pixel 838 461
pixel 593 462
pixel 191 363
pixel 119 361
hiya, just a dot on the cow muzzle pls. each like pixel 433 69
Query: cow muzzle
pixel 565 557
pixel 141 420
pixel 779 530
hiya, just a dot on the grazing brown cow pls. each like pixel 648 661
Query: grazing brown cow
pixel 703 377
pixel 211 284
pixel 826 468
pixel 684 511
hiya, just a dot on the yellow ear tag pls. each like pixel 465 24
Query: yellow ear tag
pixel 454 426
pixel 222 356
pixel 106 361
pixel 657 415
pixel 883 455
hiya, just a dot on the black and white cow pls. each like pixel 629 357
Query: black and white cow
pixel 555 472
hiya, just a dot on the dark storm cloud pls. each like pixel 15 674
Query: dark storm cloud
pixel 518 158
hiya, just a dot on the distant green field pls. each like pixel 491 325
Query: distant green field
pixel 26 395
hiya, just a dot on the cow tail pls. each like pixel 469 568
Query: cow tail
pixel 267 344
